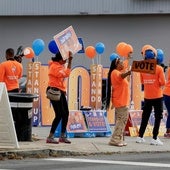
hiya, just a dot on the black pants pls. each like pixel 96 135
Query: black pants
pixel 157 104
pixel 61 113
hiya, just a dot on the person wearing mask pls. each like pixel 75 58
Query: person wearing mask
pixel 118 92
pixel 57 74
pixel 11 71
pixel 153 99
pixel 166 94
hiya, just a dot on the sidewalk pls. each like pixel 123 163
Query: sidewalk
pixel 79 146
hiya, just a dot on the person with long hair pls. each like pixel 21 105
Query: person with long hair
pixel 118 93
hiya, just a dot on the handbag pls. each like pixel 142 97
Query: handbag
pixel 53 94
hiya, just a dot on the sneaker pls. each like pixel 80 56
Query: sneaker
pixel 156 142
pixel 140 140
pixel 51 140
pixel 64 140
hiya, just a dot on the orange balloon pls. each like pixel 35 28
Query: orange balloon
pixel 90 52
pixel 126 50
pixel 28 52
pixel 119 48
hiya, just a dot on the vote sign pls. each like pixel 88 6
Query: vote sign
pixel 145 66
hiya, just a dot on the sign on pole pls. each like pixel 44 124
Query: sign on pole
pixel 8 136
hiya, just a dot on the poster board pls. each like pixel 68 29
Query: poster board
pixel 144 66
pixel 134 122
pixel 96 121
pixel 67 41
pixel 8 136
pixel 76 122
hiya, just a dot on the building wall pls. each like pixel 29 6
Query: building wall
pixel 82 7
pixel 136 30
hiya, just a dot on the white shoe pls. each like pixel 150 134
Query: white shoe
pixel 140 140
pixel 156 142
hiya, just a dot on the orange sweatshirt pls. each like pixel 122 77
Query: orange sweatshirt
pixel 10 73
pixel 153 83
pixel 166 90
pixel 57 74
pixel 120 90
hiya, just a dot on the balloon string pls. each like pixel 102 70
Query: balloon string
pixel 97 58
pixel 92 61
pixel 36 58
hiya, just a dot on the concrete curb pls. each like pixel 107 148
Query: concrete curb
pixel 45 153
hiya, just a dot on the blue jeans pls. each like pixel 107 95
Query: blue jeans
pixel 167 104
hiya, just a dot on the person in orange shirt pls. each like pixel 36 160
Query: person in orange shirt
pixel 153 97
pixel 57 74
pixel 118 92
pixel 166 93
pixel 11 71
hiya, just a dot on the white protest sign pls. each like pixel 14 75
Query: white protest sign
pixel 67 41
pixel 8 136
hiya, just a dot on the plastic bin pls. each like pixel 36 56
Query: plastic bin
pixel 21 106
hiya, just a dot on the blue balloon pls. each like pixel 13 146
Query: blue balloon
pixel 100 47
pixel 38 46
pixel 52 46
pixel 113 56
pixel 160 56
pixel 149 54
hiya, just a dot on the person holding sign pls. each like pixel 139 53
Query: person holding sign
pixel 153 98
pixel 57 74
pixel 118 92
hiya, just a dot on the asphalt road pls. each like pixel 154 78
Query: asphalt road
pixel 143 161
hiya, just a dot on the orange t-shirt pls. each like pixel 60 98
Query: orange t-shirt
pixel 57 74
pixel 120 90
pixel 10 73
pixel 166 90
pixel 153 83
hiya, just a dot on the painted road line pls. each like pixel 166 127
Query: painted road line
pixel 110 162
